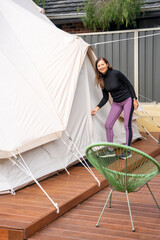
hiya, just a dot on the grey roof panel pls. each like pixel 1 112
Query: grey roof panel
pixel 151 4
pixel 61 7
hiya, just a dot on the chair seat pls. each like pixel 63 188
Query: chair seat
pixel 131 182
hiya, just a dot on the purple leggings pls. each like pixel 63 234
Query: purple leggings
pixel 114 113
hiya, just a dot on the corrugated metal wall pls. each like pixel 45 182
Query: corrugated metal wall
pixel 118 48
pixel 149 65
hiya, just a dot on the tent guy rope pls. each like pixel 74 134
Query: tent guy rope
pixel 21 164
pixel 84 162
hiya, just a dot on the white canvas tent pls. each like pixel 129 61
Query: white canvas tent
pixel 47 88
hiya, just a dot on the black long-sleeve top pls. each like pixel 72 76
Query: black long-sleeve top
pixel 118 85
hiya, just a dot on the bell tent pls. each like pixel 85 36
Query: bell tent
pixel 47 93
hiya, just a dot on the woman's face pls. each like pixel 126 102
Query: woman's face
pixel 102 66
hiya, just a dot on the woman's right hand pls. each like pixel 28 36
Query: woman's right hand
pixel 94 111
pixel 135 103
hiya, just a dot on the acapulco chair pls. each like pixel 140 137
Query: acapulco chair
pixel 125 175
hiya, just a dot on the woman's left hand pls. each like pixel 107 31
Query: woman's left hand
pixel 136 104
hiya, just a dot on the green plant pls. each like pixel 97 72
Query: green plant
pixel 40 3
pixel 103 14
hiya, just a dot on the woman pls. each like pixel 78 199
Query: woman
pixel 124 99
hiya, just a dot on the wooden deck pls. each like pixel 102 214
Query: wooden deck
pixel 79 223
pixel 29 211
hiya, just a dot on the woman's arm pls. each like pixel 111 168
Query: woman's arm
pixel 104 98
pixel 102 102
pixel 125 81
pixel 131 89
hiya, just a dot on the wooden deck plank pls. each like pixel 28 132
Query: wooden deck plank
pixel 87 232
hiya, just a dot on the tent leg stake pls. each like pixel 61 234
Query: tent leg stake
pixel 13 192
pixel 67 171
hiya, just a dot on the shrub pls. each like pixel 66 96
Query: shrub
pixel 104 14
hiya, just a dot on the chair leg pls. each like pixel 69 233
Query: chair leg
pixel 109 198
pixel 130 213
pixel 153 196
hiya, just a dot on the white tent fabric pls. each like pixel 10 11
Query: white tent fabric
pixel 29 83
pixel 47 86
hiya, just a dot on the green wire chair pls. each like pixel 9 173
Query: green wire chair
pixel 124 175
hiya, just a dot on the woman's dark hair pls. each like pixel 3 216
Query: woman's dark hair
pixel 99 76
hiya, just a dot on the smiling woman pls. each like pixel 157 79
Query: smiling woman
pixel 124 99
pixel 102 66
